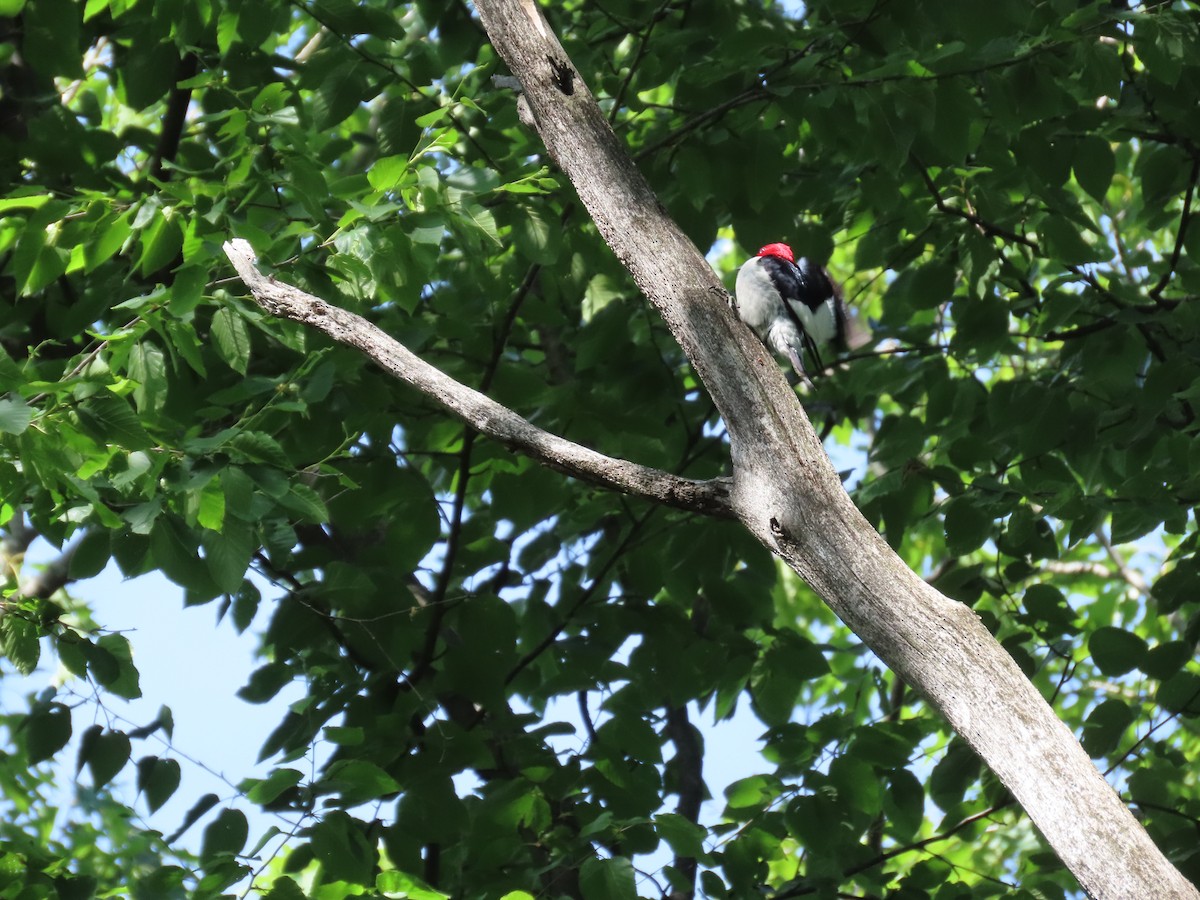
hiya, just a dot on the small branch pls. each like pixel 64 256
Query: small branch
pixel 1184 218
pixel 586 715
pixel 922 844
pixel 48 578
pixel 493 419
pixel 688 767
pixel 174 119
pixel 1075 568
pixel 757 92
pixel 585 596
pixel 52 576
pixel 1136 745
pixel 643 46
pixel 1132 577
pixel 1071 334
pixel 454 534
pixel 984 227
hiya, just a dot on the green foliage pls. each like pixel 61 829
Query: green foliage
pixel 1007 198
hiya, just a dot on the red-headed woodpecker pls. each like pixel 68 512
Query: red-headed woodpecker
pixel 790 304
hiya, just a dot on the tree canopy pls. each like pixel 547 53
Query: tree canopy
pixel 1006 199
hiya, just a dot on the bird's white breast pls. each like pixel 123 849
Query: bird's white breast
pixel 758 302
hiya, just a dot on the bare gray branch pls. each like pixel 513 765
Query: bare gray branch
pixel 477 410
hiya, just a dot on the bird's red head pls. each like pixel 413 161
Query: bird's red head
pixel 783 251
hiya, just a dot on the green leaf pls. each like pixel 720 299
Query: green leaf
pixel 285 888
pixel 813 819
pixel 254 446
pixel 1180 694
pixel 187 290
pixel 113 421
pixel 245 606
pixel 306 502
pixel 265 682
pixel 193 815
pixel 683 836
pixel 1046 603
pixel 228 554
pixel 1094 165
pixel 387 173
pixel 21 641
pixel 1116 651
pixel 104 752
pixel 15 415
pixel 1166 659
pixel 91 555
pixel 110 236
pixel 754 792
pixel 227 29
pixel 1162 47
pixel 175 550
pixel 10 373
pixel 479 219
pixel 161 243
pixel 358 781
pixel 339 93
pixel 231 338
pixel 931 286
pixel 429 119
pixel 968 526
pixel 339 845
pixel 1065 242
pixel 51 38
pixel 952 775
pixel 157 780
pixel 345 736
pixel 69 647
pixel 904 804
pixel 226 834
pixel 45 731
pixel 1104 727
pixel 266 790
pixel 607 879
pixel 210 507
pixel 149 369
pixel 26 201
pixel 956 120
pixel 784 668
pixel 111 664
pixel 535 238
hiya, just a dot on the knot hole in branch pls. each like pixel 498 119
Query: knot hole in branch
pixel 564 76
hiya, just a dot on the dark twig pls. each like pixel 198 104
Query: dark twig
pixel 1184 219
pixel 643 46
pixel 174 118
pixel 440 607
pixel 585 595
pixel 687 767
pixel 805 889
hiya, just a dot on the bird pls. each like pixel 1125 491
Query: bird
pixel 792 305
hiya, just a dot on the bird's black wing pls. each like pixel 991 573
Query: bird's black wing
pixel 804 283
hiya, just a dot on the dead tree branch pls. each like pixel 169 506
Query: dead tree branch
pixel 475 409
